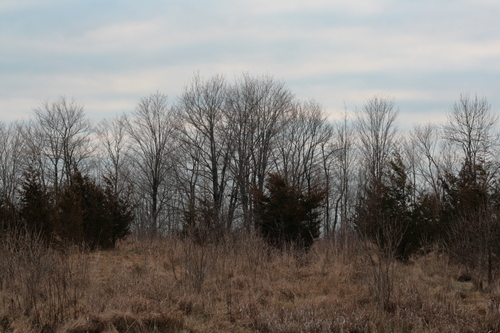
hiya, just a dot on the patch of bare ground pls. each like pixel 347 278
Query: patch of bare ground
pixel 237 285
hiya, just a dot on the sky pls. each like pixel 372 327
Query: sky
pixel 107 54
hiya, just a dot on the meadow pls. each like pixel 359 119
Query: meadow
pixel 238 284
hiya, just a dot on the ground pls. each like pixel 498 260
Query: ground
pixel 240 285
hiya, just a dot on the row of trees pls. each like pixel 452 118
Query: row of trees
pixel 212 159
pixel 439 184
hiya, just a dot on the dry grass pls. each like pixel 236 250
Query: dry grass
pixel 240 285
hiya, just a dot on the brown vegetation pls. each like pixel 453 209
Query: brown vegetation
pixel 237 285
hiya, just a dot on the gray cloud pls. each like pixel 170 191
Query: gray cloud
pixel 107 54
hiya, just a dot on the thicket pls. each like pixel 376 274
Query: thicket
pixel 82 213
pixel 249 157
pixel 287 216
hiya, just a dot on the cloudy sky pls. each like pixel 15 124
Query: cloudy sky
pixel 107 54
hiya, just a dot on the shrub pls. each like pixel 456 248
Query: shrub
pixel 286 215
pixel 89 214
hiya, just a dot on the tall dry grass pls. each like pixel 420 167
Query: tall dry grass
pixel 40 287
pixel 236 285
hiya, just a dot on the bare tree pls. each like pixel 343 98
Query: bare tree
pixel 344 146
pixel 115 159
pixel 11 160
pixel 471 194
pixel 377 133
pixel 33 154
pixel 151 127
pixel 187 170
pixel 471 128
pixel 426 141
pixel 255 114
pixel 298 151
pixel 65 134
pixel 205 131
pixel 303 151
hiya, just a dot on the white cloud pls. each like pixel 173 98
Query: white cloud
pixel 7 5
pixel 17 108
pixel 123 35
pixel 363 7
pixel 15 5
pixel 332 51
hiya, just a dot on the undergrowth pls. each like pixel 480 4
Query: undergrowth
pixel 236 285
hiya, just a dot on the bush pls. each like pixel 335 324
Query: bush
pixel 92 215
pixel 37 208
pixel 286 215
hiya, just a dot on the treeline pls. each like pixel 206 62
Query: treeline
pixel 241 156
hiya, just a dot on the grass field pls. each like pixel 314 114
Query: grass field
pixel 239 285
